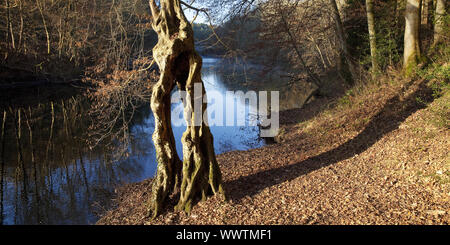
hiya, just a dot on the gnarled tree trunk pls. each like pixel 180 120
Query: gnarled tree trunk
pixel 199 175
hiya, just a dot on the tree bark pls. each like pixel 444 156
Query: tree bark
pixel 411 53
pixel 21 24
pixel 319 51
pixel 9 23
pixel 430 10
pixel 315 78
pixel 348 66
pixel 439 21
pixel 372 35
pixel 45 26
pixel 180 65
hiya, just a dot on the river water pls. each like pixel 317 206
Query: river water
pixel 57 179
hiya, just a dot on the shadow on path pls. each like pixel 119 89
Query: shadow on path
pixel 394 112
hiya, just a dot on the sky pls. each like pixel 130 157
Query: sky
pixel 201 18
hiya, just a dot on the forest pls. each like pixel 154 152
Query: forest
pixel 354 95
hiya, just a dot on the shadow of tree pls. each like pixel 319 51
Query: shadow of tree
pixel 394 112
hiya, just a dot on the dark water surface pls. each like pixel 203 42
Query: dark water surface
pixel 57 179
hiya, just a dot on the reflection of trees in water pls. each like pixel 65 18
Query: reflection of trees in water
pixel 252 142
pixel 229 142
pixel 2 164
pixel 247 76
pixel 223 75
pixel 68 182
pixel 48 174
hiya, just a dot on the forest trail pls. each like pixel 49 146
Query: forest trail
pixel 374 156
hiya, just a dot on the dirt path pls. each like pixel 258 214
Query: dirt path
pixel 377 158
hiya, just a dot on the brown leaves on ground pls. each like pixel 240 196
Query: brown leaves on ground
pixel 375 160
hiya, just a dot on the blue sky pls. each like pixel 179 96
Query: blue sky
pixel 201 18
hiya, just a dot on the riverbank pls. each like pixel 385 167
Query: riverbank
pixel 378 155
pixel 25 94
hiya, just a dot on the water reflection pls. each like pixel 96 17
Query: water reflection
pixel 50 176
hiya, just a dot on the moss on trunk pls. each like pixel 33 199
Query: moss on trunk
pixel 411 55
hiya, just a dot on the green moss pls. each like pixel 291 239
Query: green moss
pixel 345 100
pixel 410 67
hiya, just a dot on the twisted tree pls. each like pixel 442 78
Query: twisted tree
pixel 180 65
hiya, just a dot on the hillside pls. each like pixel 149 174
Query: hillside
pixel 378 155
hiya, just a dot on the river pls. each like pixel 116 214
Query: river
pixel 56 179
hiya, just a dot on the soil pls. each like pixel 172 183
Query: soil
pixel 377 156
